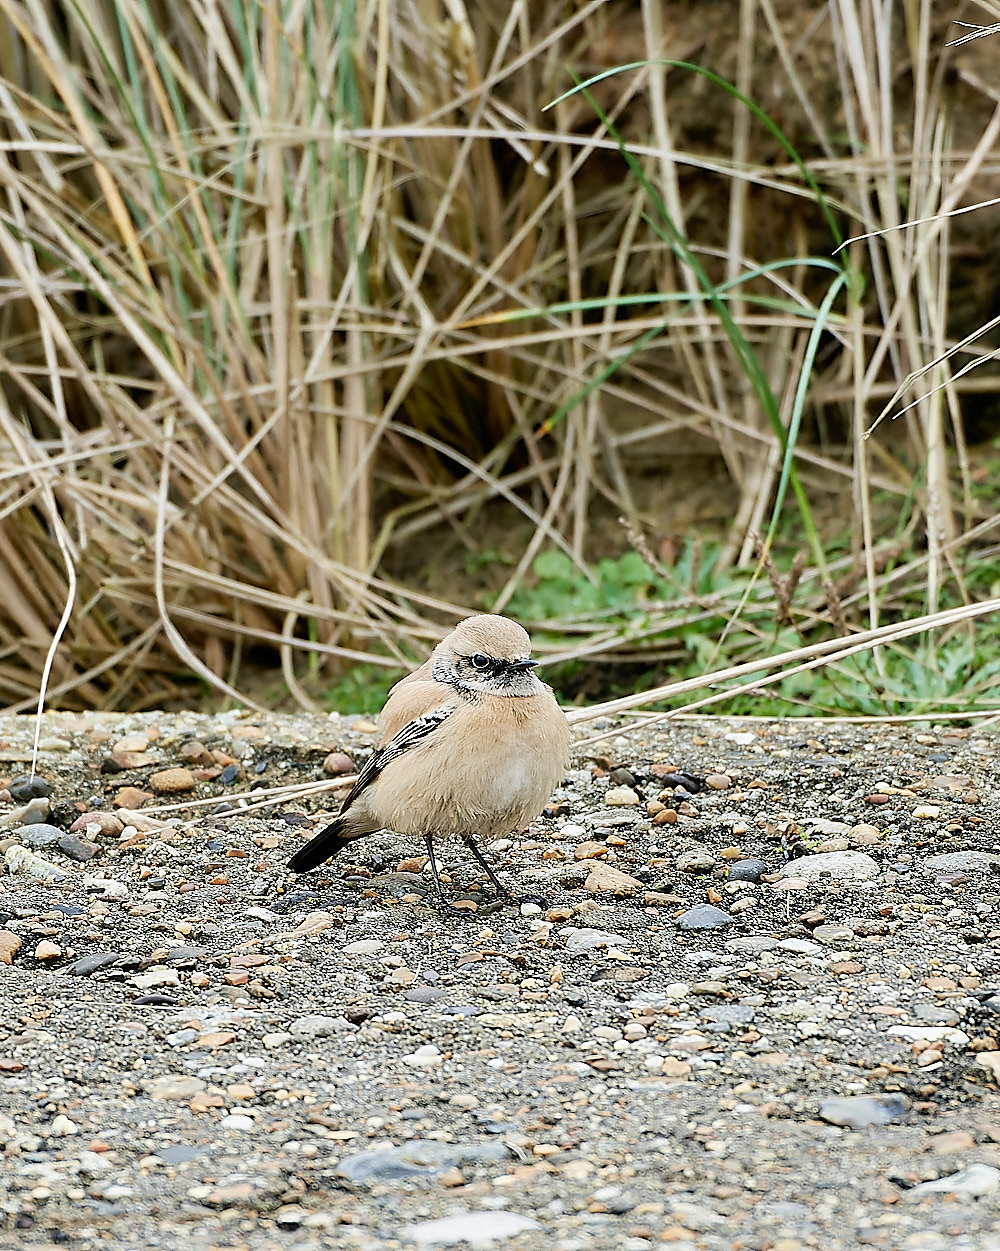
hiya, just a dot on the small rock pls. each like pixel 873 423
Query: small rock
pixel 238 1121
pixel 109 825
pixel 338 763
pixel 747 870
pixel 169 1089
pixel 859 1111
pixel 172 781
pixel 696 860
pixel 969 1183
pixel 752 945
pixel 10 945
pixel 842 866
pixel 704 917
pixel 78 848
pixel 25 788
pixel 47 950
pixel 318 1026
pixel 63 1127
pixel 832 935
pixel 718 781
pixel 604 877
pixel 158 975
pixel 586 939
pixel 420 1157
pixel 426 1057
pixel 87 965
pixel 590 851
pixel 478 1228
pixel 38 834
pixel 132 797
pixel 620 797
pixel 961 861
pixel 926 812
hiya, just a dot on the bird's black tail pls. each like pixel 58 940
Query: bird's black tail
pixel 324 846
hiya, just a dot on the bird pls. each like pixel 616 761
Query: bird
pixel 473 742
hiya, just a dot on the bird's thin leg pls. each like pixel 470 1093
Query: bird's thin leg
pixel 443 903
pixel 503 892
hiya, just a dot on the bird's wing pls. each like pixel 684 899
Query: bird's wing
pixel 413 733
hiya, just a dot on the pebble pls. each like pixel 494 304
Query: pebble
pixel 31 813
pixel 238 1121
pixel 38 834
pixel 961 861
pixel 731 1013
pixel 749 870
pixel 478 1228
pixel 338 763
pixel 25 788
pixel 860 1111
pixel 87 965
pixel 969 1183
pixel 24 861
pixel 47 950
pixel 63 1127
pixel 421 1157
pixel 158 975
pixel 317 1025
pixel 696 860
pixel 171 1089
pixel 604 877
pixel 586 939
pixel 704 917
pixel 589 850
pixel 78 849
pixel 718 781
pixel 620 797
pixel 108 824
pixel 426 1057
pixel 752 945
pixel 172 781
pixel 840 866
pixel 424 994
pixel 929 1033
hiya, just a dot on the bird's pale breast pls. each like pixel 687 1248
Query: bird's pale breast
pixel 490 773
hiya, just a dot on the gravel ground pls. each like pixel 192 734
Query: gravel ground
pixel 759 1011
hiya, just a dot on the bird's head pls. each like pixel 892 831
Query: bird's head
pixel 487 654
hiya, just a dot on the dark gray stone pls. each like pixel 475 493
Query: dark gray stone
pixel 704 917
pixel 747 870
pixel 90 964
pixel 77 848
pixel 24 788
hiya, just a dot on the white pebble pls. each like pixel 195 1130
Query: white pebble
pixel 425 1057
pixel 571 831
pixel 239 1121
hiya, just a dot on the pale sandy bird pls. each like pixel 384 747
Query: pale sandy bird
pixel 472 743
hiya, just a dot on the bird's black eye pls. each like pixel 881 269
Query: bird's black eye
pixel 479 661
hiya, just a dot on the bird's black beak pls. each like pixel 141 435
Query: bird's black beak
pixel 520 665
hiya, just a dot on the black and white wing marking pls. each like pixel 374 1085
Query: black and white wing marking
pixel 410 736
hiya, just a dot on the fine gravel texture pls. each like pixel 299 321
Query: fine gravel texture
pixel 757 1007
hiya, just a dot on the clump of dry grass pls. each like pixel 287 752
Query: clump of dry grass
pixel 286 297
